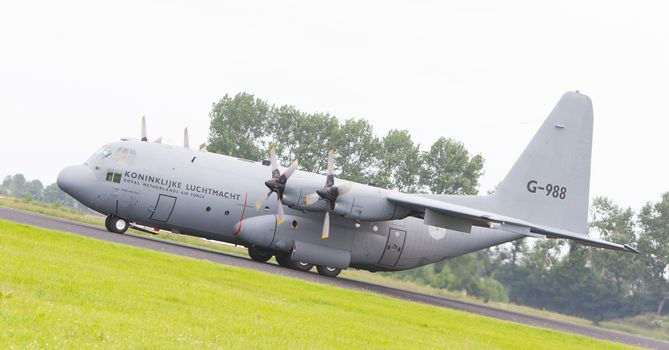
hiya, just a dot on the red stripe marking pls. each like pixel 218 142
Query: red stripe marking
pixel 246 196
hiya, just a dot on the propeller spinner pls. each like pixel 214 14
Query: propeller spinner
pixel 277 184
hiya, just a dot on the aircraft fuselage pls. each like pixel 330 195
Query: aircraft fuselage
pixel 211 196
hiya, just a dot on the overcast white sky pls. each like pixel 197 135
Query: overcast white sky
pixel 74 75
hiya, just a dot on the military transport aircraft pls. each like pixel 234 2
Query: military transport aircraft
pixel 335 224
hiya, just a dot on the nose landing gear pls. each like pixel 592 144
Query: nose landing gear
pixel 116 224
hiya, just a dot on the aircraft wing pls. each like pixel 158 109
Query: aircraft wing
pixel 461 218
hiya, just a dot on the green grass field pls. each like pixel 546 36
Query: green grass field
pixel 648 327
pixel 65 291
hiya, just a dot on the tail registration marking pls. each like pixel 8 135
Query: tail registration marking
pixel 552 190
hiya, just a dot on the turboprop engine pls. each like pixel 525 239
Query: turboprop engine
pixel 352 201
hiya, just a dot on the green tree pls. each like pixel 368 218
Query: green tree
pixel 313 137
pixel 398 162
pixel 621 272
pixel 356 148
pixel 238 126
pixel 15 185
pixel 53 194
pixel 34 190
pixel 654 247
pixel 283 127
pixel 576 289
pixel 448 168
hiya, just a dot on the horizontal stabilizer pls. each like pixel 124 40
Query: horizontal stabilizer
pixel 476 217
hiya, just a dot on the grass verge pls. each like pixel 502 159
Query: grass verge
pixel 630 325
pixel 60 290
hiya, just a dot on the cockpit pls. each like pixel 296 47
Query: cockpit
pixel 119 155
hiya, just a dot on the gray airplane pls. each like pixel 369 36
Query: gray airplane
pixel 316 220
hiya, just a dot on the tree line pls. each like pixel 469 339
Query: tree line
pixel 17 186
pixel 550 274
pixel 246 127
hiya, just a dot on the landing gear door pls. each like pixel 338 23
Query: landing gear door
pixel 393 248
pixel 164 208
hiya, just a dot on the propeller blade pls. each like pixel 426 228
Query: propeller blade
pixel 158 140
pixel 262 201
pixel 186 143
pixel 312 198
pixel 345 189
pixel 274 161
pixel 326 225
pixel 279 209
pixel 144 129
pixel 330 175
pixel 291 169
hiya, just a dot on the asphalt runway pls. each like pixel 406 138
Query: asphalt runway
pixel 219 257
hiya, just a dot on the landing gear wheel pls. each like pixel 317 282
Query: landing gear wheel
pixel 116 224
pixel 259 254
pixel 285 261
pixel 302 266
pixel 328 271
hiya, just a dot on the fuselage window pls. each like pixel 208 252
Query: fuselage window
pixel 117 178
pixel 110 175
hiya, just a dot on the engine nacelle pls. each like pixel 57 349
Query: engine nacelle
pixel 258 230
pixel 362 202
pixel 369 206
pixel 262 231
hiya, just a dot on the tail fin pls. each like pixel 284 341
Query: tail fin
pixel 550 183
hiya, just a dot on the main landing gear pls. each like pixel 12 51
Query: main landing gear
pixel 285 261
pixel 116 224
pixel 262 255
pixel 328 271
pixel 258 254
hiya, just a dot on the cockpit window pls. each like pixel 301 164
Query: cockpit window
pixel 120 155
pixel 102 153
pixel 123 155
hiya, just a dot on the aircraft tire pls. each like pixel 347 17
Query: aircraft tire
pixel 108 223
pixel 301 266
pixel 285 261
pixel 116 224
pixel 328 271
pixel 259 254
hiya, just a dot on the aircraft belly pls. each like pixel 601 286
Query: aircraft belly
pixel 427 244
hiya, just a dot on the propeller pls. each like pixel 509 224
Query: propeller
pixel 144 129
pixel 144 138
pixel 186 138
pixel 277 184
pixel 329 194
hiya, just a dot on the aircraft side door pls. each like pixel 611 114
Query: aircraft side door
pixel 393 248
pixel 164 207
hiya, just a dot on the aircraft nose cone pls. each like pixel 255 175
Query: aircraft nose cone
pixel 76 180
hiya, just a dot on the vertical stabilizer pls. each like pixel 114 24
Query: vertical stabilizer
pixel 550 183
